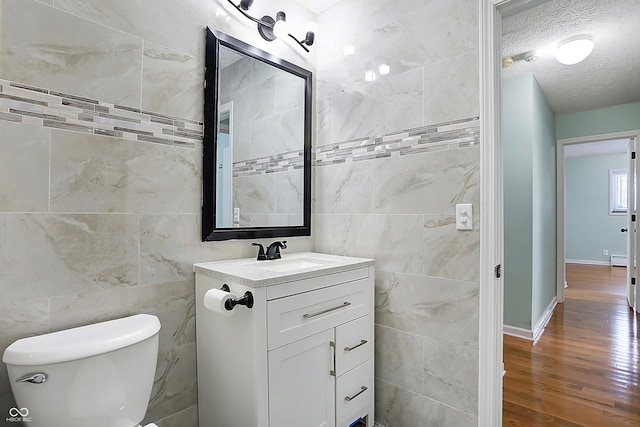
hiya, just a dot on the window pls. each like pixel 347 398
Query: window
pixel 617 191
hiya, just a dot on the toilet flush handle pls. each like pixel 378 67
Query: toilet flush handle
pixel 37 378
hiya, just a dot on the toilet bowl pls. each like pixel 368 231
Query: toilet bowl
pixel 98 375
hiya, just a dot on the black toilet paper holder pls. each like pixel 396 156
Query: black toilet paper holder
pixel 246 299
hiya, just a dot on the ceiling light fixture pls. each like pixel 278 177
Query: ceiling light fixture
pixel 271 29
pixel 574 49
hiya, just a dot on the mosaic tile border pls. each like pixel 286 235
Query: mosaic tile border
pixel 442 136
pixel 26 104
pixel 278 163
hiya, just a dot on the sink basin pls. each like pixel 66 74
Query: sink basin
pixel 284 266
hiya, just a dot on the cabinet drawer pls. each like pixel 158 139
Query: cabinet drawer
pixel 298 316
pixel 354 344
pixel 354 395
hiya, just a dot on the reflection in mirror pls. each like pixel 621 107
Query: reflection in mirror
pixel 260 135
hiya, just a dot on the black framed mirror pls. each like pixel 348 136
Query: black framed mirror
pixel 257 143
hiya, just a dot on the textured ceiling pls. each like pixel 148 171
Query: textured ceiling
pixel 609 76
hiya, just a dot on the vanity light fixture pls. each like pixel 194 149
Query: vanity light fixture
pixel 271 29
pixel 574 49
pixel 384 69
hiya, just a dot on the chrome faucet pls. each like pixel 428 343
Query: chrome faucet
pixel 273 251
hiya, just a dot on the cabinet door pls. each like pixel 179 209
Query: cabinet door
pixel 301 387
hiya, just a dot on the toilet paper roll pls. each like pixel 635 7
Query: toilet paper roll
pixel 215 300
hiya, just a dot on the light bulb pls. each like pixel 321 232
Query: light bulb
pixel 280 29
pixel 574 50
pixel 384 69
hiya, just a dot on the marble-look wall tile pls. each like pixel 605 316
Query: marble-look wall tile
pixel 428 183
pixel 175 386
pixel 451 253
pixel 45 255
pixel 169 246
pixel 396 407
pixel 278 133
pixel 48 48
pixel 173 303
pixel 92 173
pixel 399 358
pixel 185 418
pixel 345 188
pixel 236 75
pixel 323 122
pixel 323 233
pixel 395 245
pixel 241 141
pixel 172 83
pixel 289 191
pixel 176 25
pixel 457 93
pixel 364 15
pixel 255 101
pixel 289 91
pixel 382 106
pixel 425 36
pixel 270 220
pixel 450 375
pixel 24 168
pixel 441 309
pixel 255 193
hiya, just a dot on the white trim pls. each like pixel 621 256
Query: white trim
pixel 514 331
pixel 560 237
pixel 586 262
pixel 535 333
pixel 491 223
pixel 542 323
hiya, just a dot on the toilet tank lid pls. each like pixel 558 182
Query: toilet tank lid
pixel 81 342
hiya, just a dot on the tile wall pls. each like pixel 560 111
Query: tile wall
pixel 393 157
pixel 100 165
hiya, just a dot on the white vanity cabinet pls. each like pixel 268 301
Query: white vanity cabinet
pixel 301 357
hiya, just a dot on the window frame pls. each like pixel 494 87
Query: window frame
pixel 614 208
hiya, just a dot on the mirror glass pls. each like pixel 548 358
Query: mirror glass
pixel 257 143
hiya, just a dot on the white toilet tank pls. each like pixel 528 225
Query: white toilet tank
pixel 98 375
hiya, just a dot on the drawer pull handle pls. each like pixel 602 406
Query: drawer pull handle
pixel 362 342
pixel 309 316
pixel 350 398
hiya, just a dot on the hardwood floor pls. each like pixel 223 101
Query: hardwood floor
pixel 584 369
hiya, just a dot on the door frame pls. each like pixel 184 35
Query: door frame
pixel 561 211
pixel 491 297
pixel 491 293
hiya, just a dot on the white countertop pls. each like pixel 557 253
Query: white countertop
pixel 250 272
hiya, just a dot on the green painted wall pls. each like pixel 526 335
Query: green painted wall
pixel 544 281
pixel 529 201
pixel 617 118
pixel 518 200
pixel 589 228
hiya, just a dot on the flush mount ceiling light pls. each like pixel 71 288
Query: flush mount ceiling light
pixel 574 49
pixel 271 29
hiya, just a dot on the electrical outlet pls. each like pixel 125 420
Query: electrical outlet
pixel 605 252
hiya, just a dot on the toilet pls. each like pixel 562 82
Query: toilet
pixel 98 375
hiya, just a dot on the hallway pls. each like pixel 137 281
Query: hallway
pixel 584 369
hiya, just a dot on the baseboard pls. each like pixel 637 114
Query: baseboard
pixel 514 331
pixel 586 261
pixel 538 328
